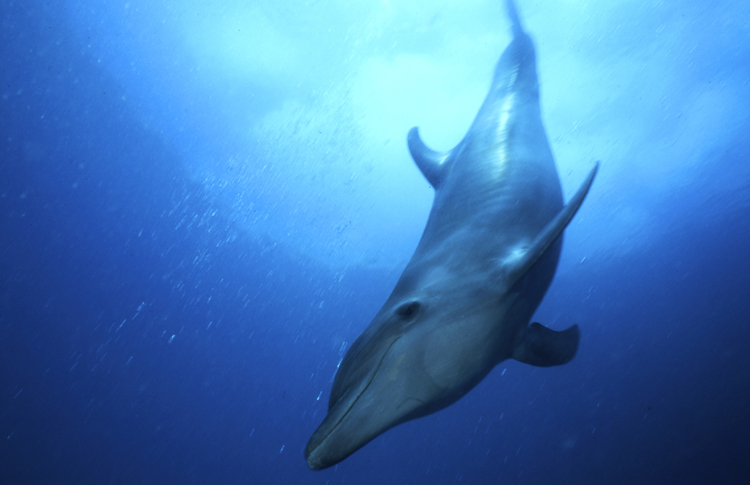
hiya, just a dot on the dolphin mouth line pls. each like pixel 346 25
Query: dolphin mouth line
pixel 357 398
pixel 410 399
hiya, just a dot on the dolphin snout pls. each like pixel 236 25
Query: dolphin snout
pixel 335 439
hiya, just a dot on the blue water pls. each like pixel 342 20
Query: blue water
pixel 202 204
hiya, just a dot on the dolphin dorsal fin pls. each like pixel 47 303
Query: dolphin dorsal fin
pixel 515 270
pixel 430 162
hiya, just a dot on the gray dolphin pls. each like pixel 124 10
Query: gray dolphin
pixel 486 258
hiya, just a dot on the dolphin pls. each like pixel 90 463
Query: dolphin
pixel 488 254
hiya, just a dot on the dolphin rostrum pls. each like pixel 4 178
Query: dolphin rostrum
pixel 486 258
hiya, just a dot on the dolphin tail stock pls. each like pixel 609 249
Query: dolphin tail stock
pixel 431 162
pixel 514 18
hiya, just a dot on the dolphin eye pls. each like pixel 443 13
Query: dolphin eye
pixel 409 310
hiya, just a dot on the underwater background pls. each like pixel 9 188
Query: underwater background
pixel 203 203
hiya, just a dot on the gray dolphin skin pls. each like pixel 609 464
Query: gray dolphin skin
pixel 486 258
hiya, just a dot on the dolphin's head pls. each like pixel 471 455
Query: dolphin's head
pixel 421 353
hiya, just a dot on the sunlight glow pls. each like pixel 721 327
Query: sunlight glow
pixel 242 44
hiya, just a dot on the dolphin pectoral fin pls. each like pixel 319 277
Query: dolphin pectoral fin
pixel 429 161
pixel 550 233
pixel 544 347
